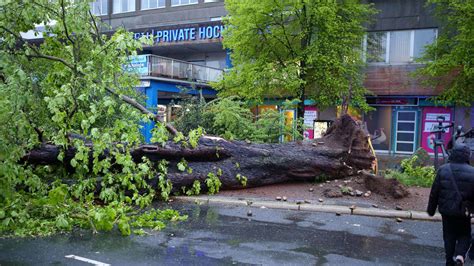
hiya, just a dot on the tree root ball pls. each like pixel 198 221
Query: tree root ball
pixel 387 187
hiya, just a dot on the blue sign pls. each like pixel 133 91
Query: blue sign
pixel 183 34
pixel 138 64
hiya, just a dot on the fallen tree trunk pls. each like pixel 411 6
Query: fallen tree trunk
pixel 343 151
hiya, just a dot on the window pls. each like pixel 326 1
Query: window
pixel 399 51
pixel 378 124
pixel 183 2
pixel 99 7
pixel 376 47
pixel 148 4
pixel 121 6
pixel 423 38
pixel 397 47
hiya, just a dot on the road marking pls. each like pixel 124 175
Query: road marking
pixel 86 260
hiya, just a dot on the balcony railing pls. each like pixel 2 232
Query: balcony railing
pixel 158 66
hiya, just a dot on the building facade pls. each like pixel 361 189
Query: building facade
pixel 404 116
pixel 188 52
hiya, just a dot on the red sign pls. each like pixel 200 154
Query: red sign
pixel 310 114
pixel 430 124
pixel 391 101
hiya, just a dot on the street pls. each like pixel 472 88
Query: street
pixel 218 235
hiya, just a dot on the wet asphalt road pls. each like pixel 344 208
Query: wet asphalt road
pixel 218 235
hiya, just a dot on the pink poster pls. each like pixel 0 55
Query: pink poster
pixel 310 114
pixel 430 122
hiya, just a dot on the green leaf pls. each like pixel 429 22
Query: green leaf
pixel 58 195
pixel 181 167
pixel 124 227
pixel 61 222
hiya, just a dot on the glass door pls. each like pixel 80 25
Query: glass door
pixel 405 132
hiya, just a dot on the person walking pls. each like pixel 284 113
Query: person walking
pixel 452 192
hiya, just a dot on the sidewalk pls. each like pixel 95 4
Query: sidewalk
pixel 310 206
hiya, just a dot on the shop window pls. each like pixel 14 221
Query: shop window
pixel 121 6
pixel 99 7
pixel 378 124
pixel 173 111
pixel 265 108
pixel 170 112
pixel 397 47
pixel 149 4
pixel 431 117
pixel 183 2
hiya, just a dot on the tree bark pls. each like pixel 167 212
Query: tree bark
pixel 342 152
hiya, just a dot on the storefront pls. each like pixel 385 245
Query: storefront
pixel 288 112
pixel 161 97
pixel 397 125
pixel 402 125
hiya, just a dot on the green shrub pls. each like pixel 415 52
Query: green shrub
pixel 412 174
pixel 232 119
pixel 193 115
pixel 423 158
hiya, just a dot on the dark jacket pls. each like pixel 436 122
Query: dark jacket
pixel 443 193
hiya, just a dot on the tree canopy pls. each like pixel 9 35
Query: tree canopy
pixel 450 60
pixel 305 49
pixel 72 82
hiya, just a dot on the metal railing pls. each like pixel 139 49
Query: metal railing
pixel 164 67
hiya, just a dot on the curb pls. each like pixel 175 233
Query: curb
pixel 353 210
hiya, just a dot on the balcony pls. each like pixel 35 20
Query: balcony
pixel 168 68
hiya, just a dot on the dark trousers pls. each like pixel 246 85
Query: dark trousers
pixel 456 236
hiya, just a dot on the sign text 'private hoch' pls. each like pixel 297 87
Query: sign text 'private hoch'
pixel 182 34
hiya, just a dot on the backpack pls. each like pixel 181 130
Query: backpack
pixel 459 207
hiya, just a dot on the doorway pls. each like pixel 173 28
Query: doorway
pixel 405 131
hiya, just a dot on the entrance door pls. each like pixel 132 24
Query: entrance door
pixel 405 134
